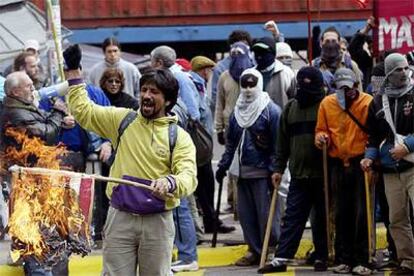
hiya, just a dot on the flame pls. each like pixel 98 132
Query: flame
pixel 46 220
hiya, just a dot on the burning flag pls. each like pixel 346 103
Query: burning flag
pixel 50 212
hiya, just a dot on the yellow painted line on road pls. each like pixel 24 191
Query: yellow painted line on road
pixel 208 257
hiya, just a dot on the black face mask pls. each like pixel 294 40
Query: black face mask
pixel 264 59
pixel 330 54
pixel 308 98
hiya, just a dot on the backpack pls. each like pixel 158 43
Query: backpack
pixel 202 140
pixel 127 120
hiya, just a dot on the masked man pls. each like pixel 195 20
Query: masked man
pixel 250 154
pixel 396 97
pixel 340 127
pixel 332 59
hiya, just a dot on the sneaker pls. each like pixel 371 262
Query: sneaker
pixel 273 266
pixel 248 260
pixel 179 266
pixel 342 269
pixel 361 270
pixel 319 265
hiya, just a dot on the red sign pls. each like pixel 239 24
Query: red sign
pixel 395 25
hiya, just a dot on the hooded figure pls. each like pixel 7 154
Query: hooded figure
pixel 240 59
pixel 278 79
pixel 284 53
pixel 250 154
pixel 265 53
pixel 252 99
pixel 397 76
pixel 309 86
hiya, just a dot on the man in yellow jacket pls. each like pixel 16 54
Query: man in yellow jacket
pixel 340 125
pixel 139 229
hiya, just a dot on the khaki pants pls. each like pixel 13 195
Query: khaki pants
pixel 130 240
pixel 399 189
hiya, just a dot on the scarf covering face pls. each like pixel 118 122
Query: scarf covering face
pixel 240 60
pixel 330 54
pixel 252 99
pixel 309 86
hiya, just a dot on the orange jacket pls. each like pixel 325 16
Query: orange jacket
pixel 346 139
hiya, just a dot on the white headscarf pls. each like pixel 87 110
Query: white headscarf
pixel 251 101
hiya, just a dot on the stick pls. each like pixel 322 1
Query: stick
pixel 326 193
pixel 369 221
pixel 216 220
pixel 37 170
pixel 268 228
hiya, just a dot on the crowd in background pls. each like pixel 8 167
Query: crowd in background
pixel 281 127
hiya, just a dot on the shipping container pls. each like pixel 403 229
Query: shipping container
pixel 78 14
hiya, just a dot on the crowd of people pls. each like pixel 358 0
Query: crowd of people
pixel 317 134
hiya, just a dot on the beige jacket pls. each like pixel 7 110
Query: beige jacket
pixel 227 93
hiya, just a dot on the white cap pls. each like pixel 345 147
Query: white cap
pixel 31 44
pixel 283 49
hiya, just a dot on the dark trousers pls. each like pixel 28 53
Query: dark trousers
pixel 205 194
pixel 351 241
pixel 304 194
pixel 253 202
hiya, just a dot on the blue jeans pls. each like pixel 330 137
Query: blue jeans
pixel 185 234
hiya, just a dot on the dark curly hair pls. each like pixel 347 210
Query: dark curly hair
pixel 165 81
pixel 239 35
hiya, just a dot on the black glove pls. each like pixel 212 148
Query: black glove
pixel 72 56
pixel 220 174
pixel 220 138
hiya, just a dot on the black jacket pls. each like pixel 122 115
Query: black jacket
pixel 38 123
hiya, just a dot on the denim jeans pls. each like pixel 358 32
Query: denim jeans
pixel 185 234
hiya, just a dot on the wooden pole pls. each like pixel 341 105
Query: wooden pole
pixel 268 228
pixel 369 220
pixel 37 170
pixel 326 193
pixel 309 31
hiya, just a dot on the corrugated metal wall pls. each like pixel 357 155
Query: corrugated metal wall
pixel 100 13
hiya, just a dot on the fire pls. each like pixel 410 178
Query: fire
pixel 46 220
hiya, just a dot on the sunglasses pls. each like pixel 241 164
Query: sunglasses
pixel 114 81
pixel 248 80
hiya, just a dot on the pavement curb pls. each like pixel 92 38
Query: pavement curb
pixel 208 257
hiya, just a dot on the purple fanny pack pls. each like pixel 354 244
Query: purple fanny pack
pixel 136 200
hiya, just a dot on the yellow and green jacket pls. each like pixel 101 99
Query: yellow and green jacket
pixel 144 148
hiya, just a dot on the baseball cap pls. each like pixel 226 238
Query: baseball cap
pixel 31 44
pixel 201 62
pixel 344 77
pixel 265 43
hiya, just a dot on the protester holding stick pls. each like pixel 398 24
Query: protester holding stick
pixel 305 165
pixel 250 154
pixel 340 125
pixel 139 229
pixel 391 128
